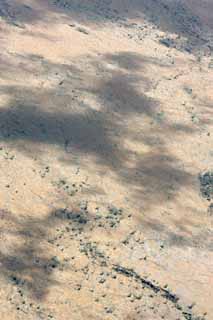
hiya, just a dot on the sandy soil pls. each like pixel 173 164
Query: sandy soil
pixel 106 158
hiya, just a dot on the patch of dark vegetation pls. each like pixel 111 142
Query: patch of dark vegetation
pixel 167 42
pixel 82 30
pixel 40 266
pixel 189 316
pixel 146 283
pixel 76 217
pixel 210 209
pixel 70 190
pixel 14 279
pixel 91 251
pixel 157 290
pixel 5 154
pixel 206 185
pixel 112 218
pixel 54 262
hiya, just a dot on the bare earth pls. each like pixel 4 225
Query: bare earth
pixel 106 158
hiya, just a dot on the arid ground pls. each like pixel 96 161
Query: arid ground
pixel 106 159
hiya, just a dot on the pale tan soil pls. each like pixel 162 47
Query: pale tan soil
pixel 97 115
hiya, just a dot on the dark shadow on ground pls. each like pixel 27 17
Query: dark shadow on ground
pixel 28 262
pixel 88 108
pixel 120 111
pixel 31 256
pixel 177 18
pixel 181 234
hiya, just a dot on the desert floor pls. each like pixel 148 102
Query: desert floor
pixel 106 159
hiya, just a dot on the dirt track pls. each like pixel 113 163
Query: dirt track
pixel 106 158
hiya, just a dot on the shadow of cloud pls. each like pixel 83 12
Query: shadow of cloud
pixel 121 115
pixel 26 261
pixel 17 13
pixel 181 236
pixel 27 265
pixel 177 18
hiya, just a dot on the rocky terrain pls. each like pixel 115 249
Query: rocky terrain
pixel 106 158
